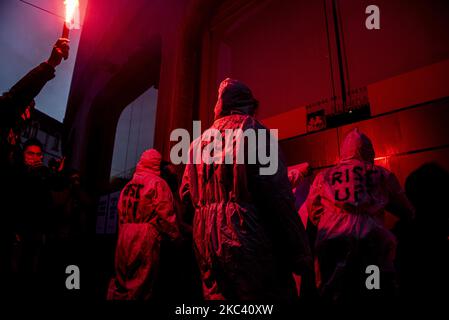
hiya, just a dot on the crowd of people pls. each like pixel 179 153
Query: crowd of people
pixel 247 234
pixel 224 231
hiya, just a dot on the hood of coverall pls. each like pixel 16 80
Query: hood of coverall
pixel 357 146
pixel 150 162
pixel 234 97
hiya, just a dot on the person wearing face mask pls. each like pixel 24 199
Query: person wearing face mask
pixel 31 204
pixel 17 104
pixel 16 109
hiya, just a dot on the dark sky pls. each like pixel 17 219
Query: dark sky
pixel 27 35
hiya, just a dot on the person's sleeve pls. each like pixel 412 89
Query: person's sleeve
pixel 187 190
pixel 184 189
pixel 313 203
pixel 14 102
pixel 398 204
pixel 298 174
pixel 165 210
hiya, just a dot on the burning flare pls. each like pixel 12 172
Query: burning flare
pixel 72 13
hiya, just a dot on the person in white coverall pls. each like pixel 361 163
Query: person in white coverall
pixel 146 213
pixel 248 238
pixel 346 203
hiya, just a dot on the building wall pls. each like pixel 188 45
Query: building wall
pixel 286 52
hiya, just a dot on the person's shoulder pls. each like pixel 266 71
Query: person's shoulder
pixel 383 171
pixel 149 180
pixel 159 181
pixel 321 175
pixel 156 185
pixel 251 122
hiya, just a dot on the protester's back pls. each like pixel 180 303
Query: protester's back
pixel 145 213
pixel 248 238
pixel 347 205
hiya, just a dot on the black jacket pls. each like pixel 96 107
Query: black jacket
pixel 14 102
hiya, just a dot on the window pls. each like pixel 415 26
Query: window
pixel 134 134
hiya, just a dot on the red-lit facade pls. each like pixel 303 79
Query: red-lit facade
pixel 299 58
